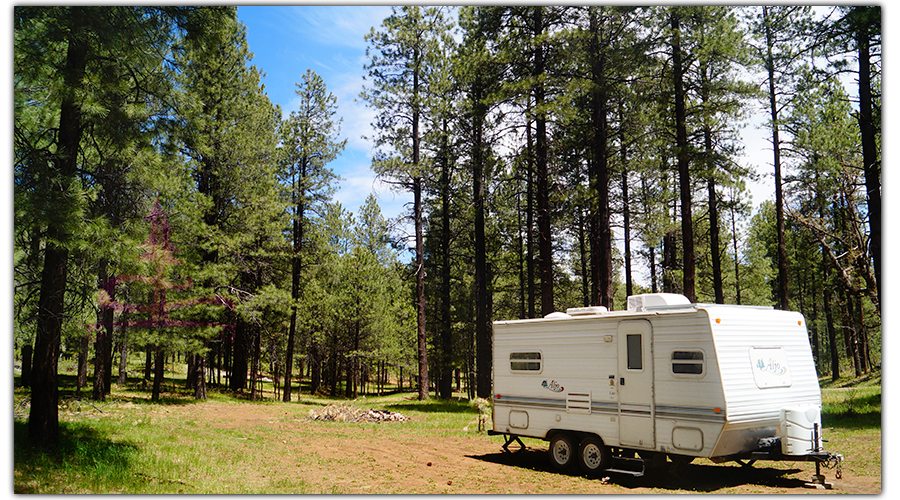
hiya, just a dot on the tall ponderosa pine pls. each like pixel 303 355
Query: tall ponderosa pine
pixel 683 156
pixel 781 31
pixel 309 142
pixel 478 72
pixel 399 64
pixel 228 133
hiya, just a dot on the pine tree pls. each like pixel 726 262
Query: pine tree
pixel 309 143
pixel 73 45
pixel 399 63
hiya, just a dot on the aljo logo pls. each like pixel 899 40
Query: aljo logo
pixel 773 366
pixel 552 386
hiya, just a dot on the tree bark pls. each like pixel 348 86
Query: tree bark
pixel 446 386
pixel 43 421
pixel 545 238
pixel 529 218
pixel 626 219
pixel 684 177
pixel 103 343
pixel 123 359
pixel 158 373
pixel 871 162
pixel 27 351
pixel 783 298
pixel 602 233
pixel 299 213
pixel 483 338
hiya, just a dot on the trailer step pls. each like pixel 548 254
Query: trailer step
pixel 629 472
pixel 628 465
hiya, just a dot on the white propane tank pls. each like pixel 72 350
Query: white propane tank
pixel 801 430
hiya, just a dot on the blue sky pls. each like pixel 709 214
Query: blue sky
pixel 288 40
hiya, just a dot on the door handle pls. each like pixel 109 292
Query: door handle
pixel 622 381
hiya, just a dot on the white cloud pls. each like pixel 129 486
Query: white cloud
pixel 341 25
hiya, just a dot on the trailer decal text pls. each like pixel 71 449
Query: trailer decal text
pixel 552 386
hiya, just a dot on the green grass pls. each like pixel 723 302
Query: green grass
pixel 130 445
pixel 851 417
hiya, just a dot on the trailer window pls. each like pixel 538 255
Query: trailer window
pixel 635 353
pixel 687 362
pixel 525 361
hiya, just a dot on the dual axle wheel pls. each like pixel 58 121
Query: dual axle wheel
pixel 591 454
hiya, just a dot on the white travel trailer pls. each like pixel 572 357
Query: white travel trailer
pixel 622 391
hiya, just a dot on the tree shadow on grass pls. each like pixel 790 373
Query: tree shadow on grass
pixel 871 420
pixel 432 406
pixel 83 452
pixel 694 478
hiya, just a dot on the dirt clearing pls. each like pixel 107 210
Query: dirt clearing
pixel 278 443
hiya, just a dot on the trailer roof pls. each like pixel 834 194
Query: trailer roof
pixel 647 311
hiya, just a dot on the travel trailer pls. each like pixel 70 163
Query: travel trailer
pixel 663 382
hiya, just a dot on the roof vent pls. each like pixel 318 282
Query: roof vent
pixel 642 302
pixel 586 311
pixel 557 315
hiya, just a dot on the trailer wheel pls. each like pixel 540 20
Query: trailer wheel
pixel 562 451
pixel 593 456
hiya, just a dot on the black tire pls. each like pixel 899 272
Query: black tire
pixel 594 457
pixel 562 451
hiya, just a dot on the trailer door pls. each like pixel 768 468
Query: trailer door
pixel 636 399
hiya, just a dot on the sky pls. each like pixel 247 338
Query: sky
pixel 329 40
pixel 288 40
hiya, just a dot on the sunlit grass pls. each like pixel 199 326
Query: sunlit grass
pixel 127 444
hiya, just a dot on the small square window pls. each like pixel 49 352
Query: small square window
pixel 687 362
pixel 525 361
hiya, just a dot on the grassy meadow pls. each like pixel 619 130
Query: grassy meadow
pixel 228 444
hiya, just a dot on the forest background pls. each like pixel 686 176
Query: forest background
pixel 164 207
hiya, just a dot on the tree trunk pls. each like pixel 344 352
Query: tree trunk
pixel 103 343
pixel 483 338
pixel 871 162
pixel 529 219
pixel 583 257
pixel 783 302
pixel 446 387
pixel 123 359
pixel 626 220
pixel 240 351
pixel 158 373
pixel 602 294
pixel 545 238
pixel 299 214
pixel 81 381
pixel 737 266
pixel 421 333
pixel 716 256
pixel 27 350
pixel 684 177
pixel 254 366
pixel 829 318
pixel 43 421
pixel 198 369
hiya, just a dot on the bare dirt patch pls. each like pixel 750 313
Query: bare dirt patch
pixel 337 457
